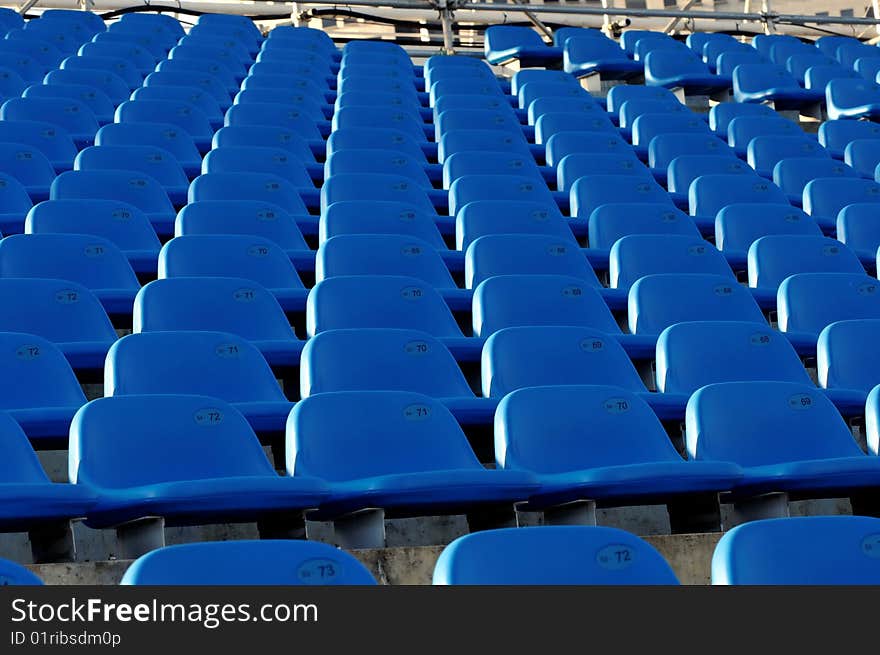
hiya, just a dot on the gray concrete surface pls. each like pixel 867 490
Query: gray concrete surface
pixel 688 555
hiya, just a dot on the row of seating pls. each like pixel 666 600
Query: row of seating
pixel 841 72
pixel 354 457
pixel 794 551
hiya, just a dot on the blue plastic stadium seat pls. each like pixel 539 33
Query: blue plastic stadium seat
pixel 623 93
pixel 556 97
pixel 269 137
pixel 243 217
pixel 265 563
pixel 598 443
pixel 273 115
pixel 863 156
pixel 374 186
pixel 608 223
pixel 229 58
pixel 519 254
pixel 723 113
pixel 189 459
pixel 681 69
pixel 788 437
pixel 92 98
pixel 149 42
pixel 235 305
pixel 579 165
pixel 91 261
pixel 407 456
pixel 183 115
pixel 166 136
pixel 142 58
pixel 480 140
pixel 647 126
pixel 26 67
pixel 257 159
pixel 852 98
pixel 198 70
pixel 30 500
pixel 504 43
pixel 52 141
pixel 664 148
pixel 39 389
pixel 472 188
pixel 379 217
pixel 15 203
pixel 773 258
pixel 216 364
pixel 518 300
pixel 820 78
pixel 658 301
pixel 709 194
pixel 836 135
pixel 13 574
pixel 552 123
pixel 811 550
pixel 263 187
pixel 389 254
pixel 684 169
pixel 377 117
pixel 848 53
pixel 742 129
pixel 764 152
pixel 389 359
pixel 480 218
pixel 461 164
pixel 567 143
pixel 858 228
pixel 584 56
pixel 199 98
pixel 313 107
pixel 11 83
pixel 552 555
pixel 121 67
pixel 830 44
pixel 557 91
pixel 60 311
pixel 588 193
pixel 844 296
pixel 739 225
pixel 635 256
pixel 235 255
pixel 793 175
pixel 388 162
pixel 386 301
pixel 826 196
pixel 632 109
pixel 530 356
pixel 692 355
pixel 799 64
pixel 156 163
pixel 846 358
pixel 71 115
pixel 762 83
pixel 129 186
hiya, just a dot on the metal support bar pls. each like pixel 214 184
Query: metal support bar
pixel 658 13
pixel 580 512
pixel 52 542
pixel 766 506
pixel 26 7
pixel 446 21
pixel 140 537
pixel 364 529
pixel 536 21
pixel 672 24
